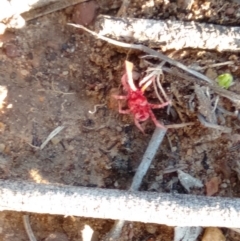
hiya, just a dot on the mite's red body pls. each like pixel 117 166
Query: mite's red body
pixel 137 103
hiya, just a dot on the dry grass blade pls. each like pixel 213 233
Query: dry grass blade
pixel 213 65
pixel 51 135
pixel 28 228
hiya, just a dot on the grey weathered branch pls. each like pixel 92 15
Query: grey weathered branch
pixel 142 169
pixel 12 7
pixel 170 34
pixel 148 207
pixel 33 9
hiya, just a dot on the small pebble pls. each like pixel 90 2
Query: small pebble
pixel 57 237
pixel 154 186
pixel 119 128
pixel 24 72
pixel 230 11
pixel 55 140
pixel 11 50
pixel 158 178
pixel 84 13
pixel 2 147
pixel 212 186
pixel 213 234
pixel 99 43
pixel 227 181
pixel 189 152
pixel 211 73
pixel 2 127
pixel 174 148
pixel 151 228
pixel 65 72
pixel 224 185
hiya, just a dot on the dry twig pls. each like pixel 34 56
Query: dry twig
pixel 147 159
pixel 147 207
pixel 170 34
pixel 123 9
pixel 32 9
pixel 235 98
pixel 228 94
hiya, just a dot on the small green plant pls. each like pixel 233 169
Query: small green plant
pixel 225 80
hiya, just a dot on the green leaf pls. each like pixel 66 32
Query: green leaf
pixel 225 80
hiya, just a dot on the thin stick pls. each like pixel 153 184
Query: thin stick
pixel 28 228
pixel 153 146
pixel 235 98
pixel 224 129
pixel 147 159
pixel 147 207
pixel 146 50
pixel 213 65
pixel 123 9
pixel 181 125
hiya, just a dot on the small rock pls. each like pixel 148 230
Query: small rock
pixel 224 185
pixel 211 73
pixel 189 152
pixel 88 234
pixel 119 129
pixel 24 72
pixel 2 28
pixel 2 126
pixel 185 4
pixel 57 237
pixel 151 228
pixel 99 43
pixel 230 11
pixel 159 178
pixel 11 50
pixel 154 186
pixel 213 234
pixel 174 148
pixel 84 13
pixel 2 147
pixel 55 140
pixel 212 186
pixel 65 72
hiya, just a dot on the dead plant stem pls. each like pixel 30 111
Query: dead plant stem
pixel 228 94
pixel 142 169
pixel 28 228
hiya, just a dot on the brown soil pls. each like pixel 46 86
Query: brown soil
pixel 56 74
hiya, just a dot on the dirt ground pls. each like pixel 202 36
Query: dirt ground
pixel 56 75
